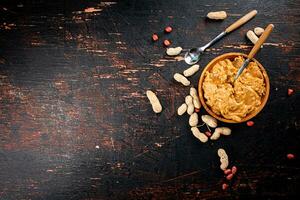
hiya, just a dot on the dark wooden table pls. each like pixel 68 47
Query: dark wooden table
pixel 75 122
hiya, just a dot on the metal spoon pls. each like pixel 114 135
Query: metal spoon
pixel 193 55
pixel 255 49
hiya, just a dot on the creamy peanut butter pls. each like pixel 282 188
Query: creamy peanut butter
pixel 229 99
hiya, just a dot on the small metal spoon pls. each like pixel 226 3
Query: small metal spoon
pixel 255 49
pixel 193 55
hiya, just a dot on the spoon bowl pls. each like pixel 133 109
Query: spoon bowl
pixel 192 56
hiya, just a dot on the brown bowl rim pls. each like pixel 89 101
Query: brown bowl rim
pixel 252 114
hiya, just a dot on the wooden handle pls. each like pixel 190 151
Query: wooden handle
pixel 261 40
pixel 241 21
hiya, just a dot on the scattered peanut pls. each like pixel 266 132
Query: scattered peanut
pixel 156 106
pixel 227 171
pixel 290 92
pixel 189 103
pixel 290 156
pixel 196 101
pixel 182 109
pixel 223 159
pixel 173 51
pixel 154 37
pixel 191 71
pixel 225 186
pixel 234 169
pixel 250 123
pixel 215 136
pixel 220 131
pixel 224 130
pixel 209 120
pixel 188 99
pixel 167 43
pixel 181 79
pixel 224 164
pixel 201 136
pixel 190 109
pixel 258 31
pixel 252 37
pixel 219 15
pixel 193 120
pixel 229 177
pixel 193 92
pixel 221 152
pixel 168 29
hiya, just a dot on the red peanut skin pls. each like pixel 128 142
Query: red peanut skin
pixel 225 186
pixel 167 43
pixel 227 171
pixel 290 156
pixel 168 29
pixel 290 91
pixel 154 37
pixel 208 134
pixel 250 123
pixel 234 169
pixel 229 177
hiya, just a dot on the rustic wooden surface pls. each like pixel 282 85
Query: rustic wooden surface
pixel 75 122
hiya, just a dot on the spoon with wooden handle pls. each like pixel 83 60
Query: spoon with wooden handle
pixel 193 55
pixel 255 49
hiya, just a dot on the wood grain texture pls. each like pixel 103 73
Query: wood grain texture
pixel 75 122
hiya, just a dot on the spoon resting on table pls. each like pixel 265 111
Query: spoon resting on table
pixel 193 55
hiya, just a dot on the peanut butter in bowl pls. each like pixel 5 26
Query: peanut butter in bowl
pixel 234 100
